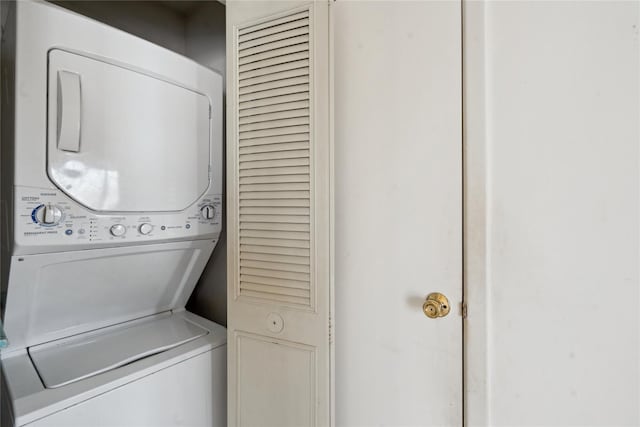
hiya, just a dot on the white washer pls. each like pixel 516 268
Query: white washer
pixel 113 148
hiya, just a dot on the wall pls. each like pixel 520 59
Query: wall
pixel 205 43
pixel 6 150
pixel 205 36
pixel 552 108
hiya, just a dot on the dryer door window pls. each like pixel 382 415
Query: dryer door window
pixel 123 140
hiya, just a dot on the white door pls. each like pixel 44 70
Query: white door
pixel 279 287
pixel 398 210
pixel 553 164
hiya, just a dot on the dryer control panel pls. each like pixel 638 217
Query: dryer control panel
pixel 47 220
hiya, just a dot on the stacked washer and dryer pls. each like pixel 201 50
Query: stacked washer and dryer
pixel 111 188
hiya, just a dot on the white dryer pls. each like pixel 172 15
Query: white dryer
pixel 112 182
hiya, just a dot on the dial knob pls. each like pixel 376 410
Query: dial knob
pixel 145 228
pixel 49 215
pixel 118 230
pixel 207 211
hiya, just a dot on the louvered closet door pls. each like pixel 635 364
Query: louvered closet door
pixel 279 211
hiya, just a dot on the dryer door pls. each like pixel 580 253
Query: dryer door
pixel 123 140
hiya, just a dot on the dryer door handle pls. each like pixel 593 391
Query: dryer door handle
pixel 69 111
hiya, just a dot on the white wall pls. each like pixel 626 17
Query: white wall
pixel 553 186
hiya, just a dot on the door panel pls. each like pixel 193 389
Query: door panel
pixel 123 141
pixel 279 212
pixel 553 135
pixel 263 396
pixel 398 232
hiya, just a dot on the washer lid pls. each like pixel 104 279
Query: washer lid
pixel 72 359
pixel 125 140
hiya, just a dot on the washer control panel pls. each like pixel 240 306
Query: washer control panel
pixel 47 217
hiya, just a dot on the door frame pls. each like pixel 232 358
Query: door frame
pixel 476 218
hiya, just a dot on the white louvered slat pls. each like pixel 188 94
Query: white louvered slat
pixel 280 131
pixel 276 202
pixel 277 115
pixel 264 63
pixel 272 281
pixel 274 100
pixel 295 170
pixel 269 109
pixel 269 265
pixel 293 219
pixel 276 226
pixel 274 93
pixel 275 139
pixel 275 195
pixel 291 65
pixel 291 154
pixel 274 211
pixel 274 242
pixel 275 250
pixel 271 80
pixel 281 80
pixel 275 186
pixel 275 274
pixel 274 157
pixel 273 24
pixel 279 209
pixel 274 46
pixel 278 26
pixel 286 34
pixel 272 179
pixel 286 259
pixel 274 163
pixel 272 124
pixel 302 47
pixel 270 234
pixel 296 219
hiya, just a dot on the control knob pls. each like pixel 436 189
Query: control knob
pixel 145 228
pixel 49 215
pixel 118 230
pixel 207 211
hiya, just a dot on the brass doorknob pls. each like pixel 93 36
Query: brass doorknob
pixel 436 305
